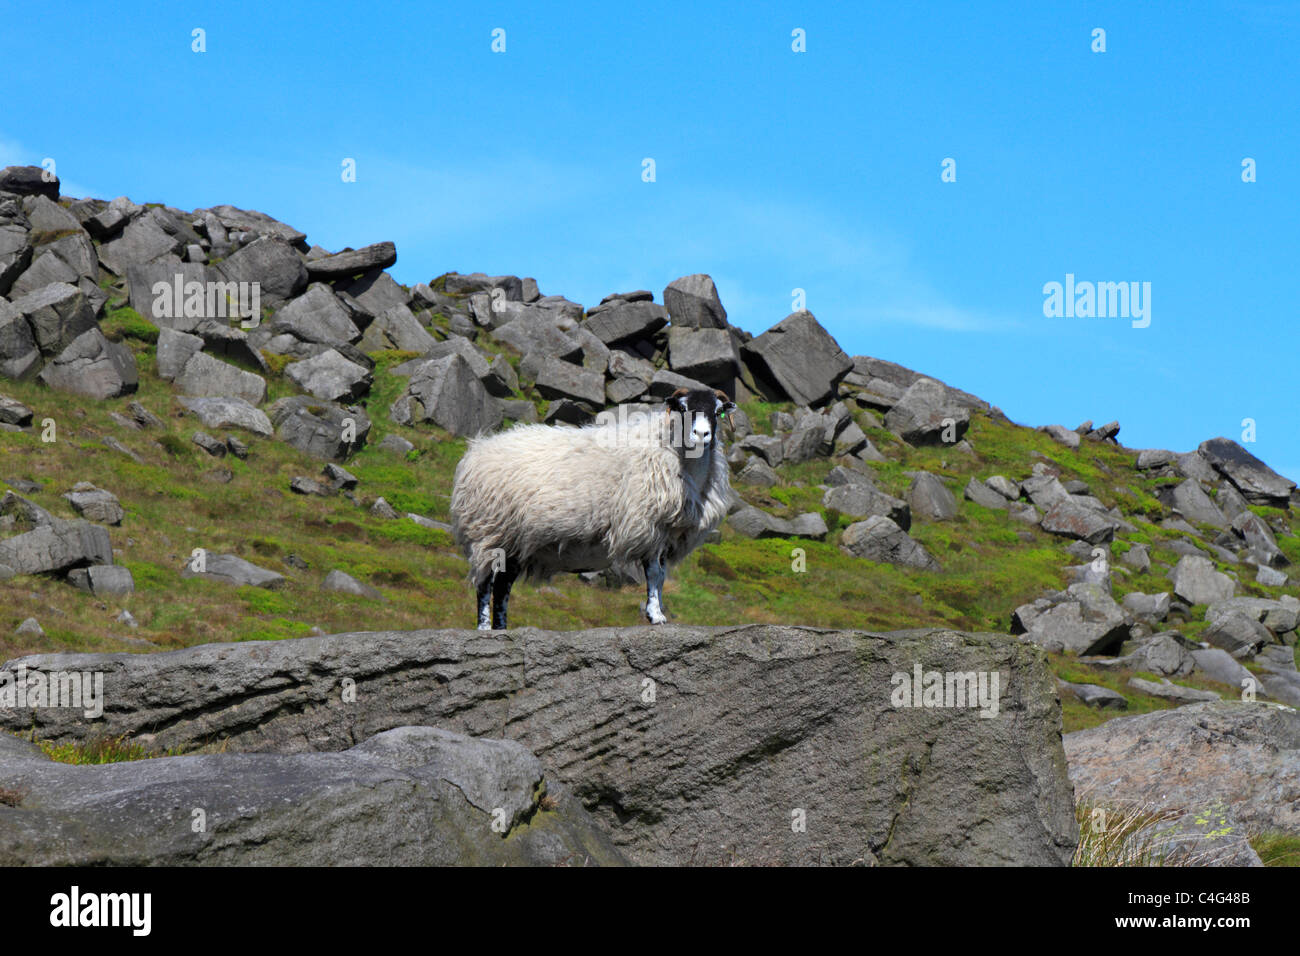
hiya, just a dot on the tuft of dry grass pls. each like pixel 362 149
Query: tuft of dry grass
pixel 1119 835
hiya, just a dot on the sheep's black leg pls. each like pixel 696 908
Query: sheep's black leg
pixel 655 572
pixel 484 604
pixel 502 582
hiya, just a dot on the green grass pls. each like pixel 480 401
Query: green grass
pixel 99 751
pixel 991 564
pixel 1277 849
pixel 125 323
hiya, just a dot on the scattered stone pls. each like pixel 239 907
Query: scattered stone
pixel 206 377
pixel 307 486
pixel 624 323
pixel 1166 654
pixel 1258 483
pixel 564 411
pixel 1191 501
pixel 329 376
pixel 214 447
pixel 1154 458
pixel 1078 521
pixel 1152 608
pixel 1197 582
pixel 558 379
pixel 429 523
pixel 344 583
pixel 94 367
pixel 57 546
pixel 757 472
pixel 396 443
pixel 1270 577
pixel 860 501
pixel 103 580
pixel 980 493
pixel 340 478
pixel 798 359
pixel 324 430
pixel 768 447
pixel 1171 691
pixel 802 445
pixel 924 415
pixel 446 392
pixel 1217 664
pixel 95 504
pixel 236 447
pixel 1069 439
pixel 1004 486
pixel 1095 696
pixel 693 303
pixel 232 569
pixel 381 255
pixel 1137 557
pixel 880 539
pixel 382 509
pixel 929 498
pixel 226 412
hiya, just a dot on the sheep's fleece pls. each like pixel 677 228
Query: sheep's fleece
pixel 564 498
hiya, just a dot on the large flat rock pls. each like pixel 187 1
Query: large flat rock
pixel 1236 758
pixel 687 744
pixel 413 796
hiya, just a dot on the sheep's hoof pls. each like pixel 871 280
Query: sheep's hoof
pixel 659 620
pixel 484 627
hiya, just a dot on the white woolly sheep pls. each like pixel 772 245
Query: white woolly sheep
pixel 637 489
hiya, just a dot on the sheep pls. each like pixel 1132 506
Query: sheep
pixel 643 489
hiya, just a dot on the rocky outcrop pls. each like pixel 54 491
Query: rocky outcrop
pixel 412 796
pixel 687 745
pixel 1240 760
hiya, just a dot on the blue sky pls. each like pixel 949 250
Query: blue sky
pixel 775 170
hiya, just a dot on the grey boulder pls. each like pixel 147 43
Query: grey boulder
pixel 693 303
pixel 411 796
pixel 231 569
pixel 446 392
pixel 762 722
pixel 93 367
pixel 1196 581
pixel 325 430
pixel 798 359
pixel 879 539
pixel 1257 482
pixel 330 376
pixel 925 416
pixel 228 412
pixel 95 504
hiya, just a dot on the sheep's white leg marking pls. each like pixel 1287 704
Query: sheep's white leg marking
pixel 655 572
pixel 485 605
pixel 502 581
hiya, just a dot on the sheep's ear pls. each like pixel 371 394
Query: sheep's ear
pixel 677 399
pixel 725 404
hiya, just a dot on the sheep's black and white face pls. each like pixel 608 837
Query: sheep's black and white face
pixel 696 415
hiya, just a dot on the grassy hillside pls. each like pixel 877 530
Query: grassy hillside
pixel 176 501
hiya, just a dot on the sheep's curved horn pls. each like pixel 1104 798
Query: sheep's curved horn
pixel 680 393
